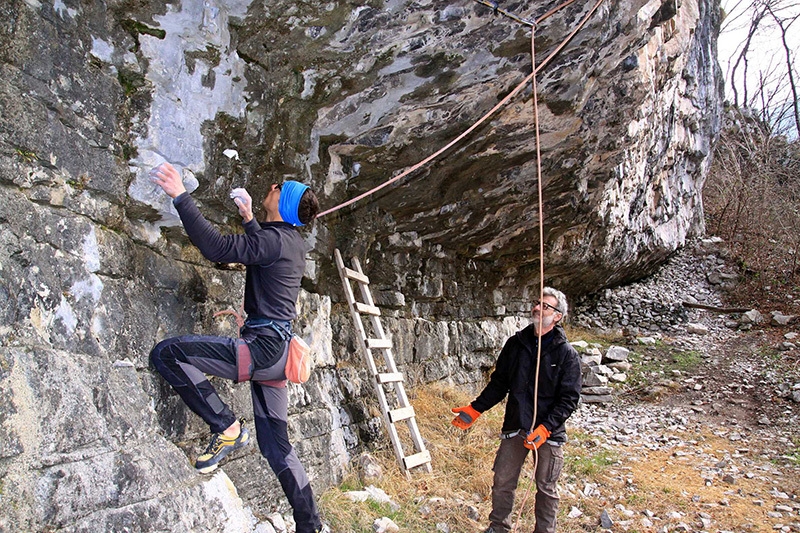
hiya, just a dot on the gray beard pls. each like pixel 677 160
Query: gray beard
pixel 546 323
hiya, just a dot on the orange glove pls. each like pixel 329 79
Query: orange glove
pixel 537 437
pixel 466 416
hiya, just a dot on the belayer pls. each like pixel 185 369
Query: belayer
pixel 274 255
pixel 553 401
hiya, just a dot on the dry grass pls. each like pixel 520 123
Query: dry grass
pixel 639 479
pixel 461 476
pixel 662 481
pixel 681 479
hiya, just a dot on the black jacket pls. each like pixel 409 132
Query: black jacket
pixel 559 382
pixel 274 253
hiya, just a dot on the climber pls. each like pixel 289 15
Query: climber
pixel 274 255
pixel 558 393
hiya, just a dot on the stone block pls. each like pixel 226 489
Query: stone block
pixel 390 299
pixel 597 391
pixel 590 360
pixel 616 353
pixel 580 346
pixel 591 379
pixel 603 370
pixel 696 329
pixel 602 398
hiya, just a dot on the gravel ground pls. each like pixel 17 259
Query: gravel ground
pixel 713 446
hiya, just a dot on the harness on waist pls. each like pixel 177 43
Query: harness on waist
pixel 283 328
pixel 298 359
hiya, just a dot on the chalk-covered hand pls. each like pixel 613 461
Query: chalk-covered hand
pixel 243 201
pixel 169 179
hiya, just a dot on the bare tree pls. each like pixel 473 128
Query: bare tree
pixel 783 24
pixel 757 80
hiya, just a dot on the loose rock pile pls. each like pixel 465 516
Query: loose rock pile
pixel 600 369
pixel 648 309
pixel 655 304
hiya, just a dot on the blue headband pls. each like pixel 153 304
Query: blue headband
pixel 289 201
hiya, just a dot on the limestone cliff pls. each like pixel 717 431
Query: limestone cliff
pixel 96 269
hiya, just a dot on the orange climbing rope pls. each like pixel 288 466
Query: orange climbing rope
pixel 535 455
pixel 485 117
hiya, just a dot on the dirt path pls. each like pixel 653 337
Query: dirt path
pixel 710 446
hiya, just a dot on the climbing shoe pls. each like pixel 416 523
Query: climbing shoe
pixel 219 448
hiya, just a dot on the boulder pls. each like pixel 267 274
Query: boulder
pixel 779 319
pixel 752 317
pixel 616 353
pixel 622 366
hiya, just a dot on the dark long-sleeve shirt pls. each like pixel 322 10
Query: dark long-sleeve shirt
pixel 273 252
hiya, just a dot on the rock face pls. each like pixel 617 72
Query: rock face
pixel 95 269
pixel 627 120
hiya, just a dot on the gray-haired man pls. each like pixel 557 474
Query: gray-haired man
pixel 557 394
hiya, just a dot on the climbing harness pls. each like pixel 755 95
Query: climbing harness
pixel 511 434
pixel 485 117
pixel 298 353
pixel 282 328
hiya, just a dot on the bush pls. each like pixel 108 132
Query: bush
pixel 752 201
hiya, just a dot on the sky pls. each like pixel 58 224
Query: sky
pixel 767 58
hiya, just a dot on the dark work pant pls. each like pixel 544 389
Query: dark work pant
pixel 507 467
pixel 184 361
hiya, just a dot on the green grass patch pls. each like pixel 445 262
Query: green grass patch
pixel 582 464
pixel 26 155
pixel 688 360
pixel 794 457
pixel 584 459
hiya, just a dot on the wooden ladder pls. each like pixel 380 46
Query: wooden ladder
pixel 390 378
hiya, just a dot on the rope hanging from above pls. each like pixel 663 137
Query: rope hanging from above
pixel 540 201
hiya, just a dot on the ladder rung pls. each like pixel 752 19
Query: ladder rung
pixel 417 459
pixel 358 276
pixel 378 343
pixel 390 377
pixel 403 413
pixel 367 309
